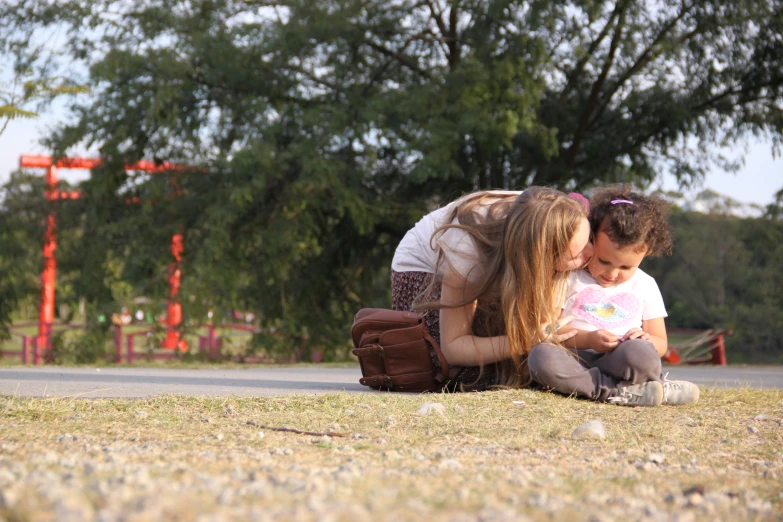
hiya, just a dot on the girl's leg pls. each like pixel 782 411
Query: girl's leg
pixel 559 369
pixel 635 361
pixel 406 287
pixel 638 361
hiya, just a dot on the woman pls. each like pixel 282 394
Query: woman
pixel 490 270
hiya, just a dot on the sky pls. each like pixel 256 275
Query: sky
pixel 756 182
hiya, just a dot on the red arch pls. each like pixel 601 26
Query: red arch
pixel 49 273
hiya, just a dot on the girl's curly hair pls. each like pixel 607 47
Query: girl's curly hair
pixel 645 222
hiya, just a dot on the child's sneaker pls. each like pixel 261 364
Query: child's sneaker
pixel 646 394
pixel 679 392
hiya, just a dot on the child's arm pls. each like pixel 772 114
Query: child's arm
pixel 653 330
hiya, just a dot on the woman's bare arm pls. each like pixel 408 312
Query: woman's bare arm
pixel 459 345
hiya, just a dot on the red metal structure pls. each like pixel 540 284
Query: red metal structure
pixel 49 273
pixel 704 347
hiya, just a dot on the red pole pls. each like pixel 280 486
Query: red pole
pixel 118 342
pixel 174 309
pixel 719 351
pixel 49 274
pixel 212 342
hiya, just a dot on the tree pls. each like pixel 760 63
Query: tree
pixel 22 214
pixel 326 128
pixel 726 272
pixel 27 93
pixel 775 209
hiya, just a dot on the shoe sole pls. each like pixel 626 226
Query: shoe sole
pixel 679 403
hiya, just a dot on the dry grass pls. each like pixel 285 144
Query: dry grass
pixel 484 458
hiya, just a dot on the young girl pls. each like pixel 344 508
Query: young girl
pixel 488 268
pixel 617 310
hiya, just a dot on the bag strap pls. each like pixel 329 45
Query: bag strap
pixel 372 349
pixel 444 365
pixel 398 381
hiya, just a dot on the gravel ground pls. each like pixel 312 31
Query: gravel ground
pixel 473 457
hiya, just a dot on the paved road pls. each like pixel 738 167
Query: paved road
pixel 146 382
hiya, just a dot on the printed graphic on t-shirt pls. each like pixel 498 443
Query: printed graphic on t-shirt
pixel 605 311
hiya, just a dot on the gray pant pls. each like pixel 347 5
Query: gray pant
pixel 594 375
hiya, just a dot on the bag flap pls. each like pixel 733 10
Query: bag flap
pixel 401 335
pixel 380 319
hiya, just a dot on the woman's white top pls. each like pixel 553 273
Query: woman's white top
pixel 417 252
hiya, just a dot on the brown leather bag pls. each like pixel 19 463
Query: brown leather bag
pixel 393 351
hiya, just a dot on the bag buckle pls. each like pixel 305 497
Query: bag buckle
pixel 372 349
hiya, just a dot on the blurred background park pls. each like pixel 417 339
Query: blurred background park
pixel 291 144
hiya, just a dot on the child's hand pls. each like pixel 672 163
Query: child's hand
pixel 636 333
pixel 603 341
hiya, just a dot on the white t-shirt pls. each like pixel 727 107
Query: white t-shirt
pixel 416 253
pixel 616 309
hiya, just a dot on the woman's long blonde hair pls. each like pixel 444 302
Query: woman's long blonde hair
pixel 520 241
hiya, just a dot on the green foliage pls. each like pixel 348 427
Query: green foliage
pixel 726 272
pixel 27 90
pixel 91 346
pixel 23 208
pixel 320 131
pixel 775 209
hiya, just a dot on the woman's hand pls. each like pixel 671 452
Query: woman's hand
pixel 603 341
pixel 635 333
pixel 560 334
